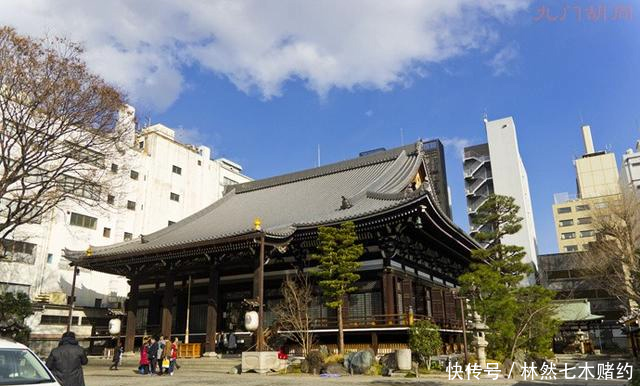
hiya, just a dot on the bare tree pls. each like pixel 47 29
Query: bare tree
pixel 614 258
pixel 58 125
pixel 294 312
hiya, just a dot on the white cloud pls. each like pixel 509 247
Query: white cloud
pixel 144 45
pixel 456 144
pixel 503 59
pixel 368 113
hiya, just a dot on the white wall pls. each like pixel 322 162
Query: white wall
pixel 510 179
pixel 199 185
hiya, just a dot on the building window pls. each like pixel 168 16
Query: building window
pixel 97 303
pixel 81 220
pixel 134 175
pixel 80 188
pixel 141 144
pixel 176 169
pixel 84 154
pixel 131 205
pixel 127 236
pixel 14 288
pixel 199 163
pixel 49 258
pixel 587 233
pixel 19 251
pixel 565 209
pixel 174 197
pixel 111 199
pixel 571 248
pixel 169 223
pixel 228 181
pixel 601 205
pixel 584 220
pixel 366 304
pixel 58 319
pixel 106 232
pixel 566 223
pixel 114 168
pixel 567 236
pixel 580 208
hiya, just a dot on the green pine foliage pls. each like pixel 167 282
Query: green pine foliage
pixel 14 310
pixel 338 255
pixel 520 318
pixel 425 341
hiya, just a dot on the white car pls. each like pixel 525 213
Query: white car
pixel 20 366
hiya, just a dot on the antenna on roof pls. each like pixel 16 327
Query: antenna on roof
pixel 485 116
pixel 401 136
pixel 318 165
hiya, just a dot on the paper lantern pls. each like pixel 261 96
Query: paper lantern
pixel 251 321
pixel 114 326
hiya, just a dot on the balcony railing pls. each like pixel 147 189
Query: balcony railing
pixel 383 321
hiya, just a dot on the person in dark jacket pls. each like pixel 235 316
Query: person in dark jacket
pixel 153 356
pixel 66 361
pixel 117 356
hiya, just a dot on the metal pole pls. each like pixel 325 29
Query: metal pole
pixel 260 343
pixel 72 301
pixel 186 330
pixel 464 330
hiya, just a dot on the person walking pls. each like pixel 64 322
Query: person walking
pixel 153 356
pixel 66 361
pixel 176 342
pixel 117 356
pixel 144 357
pixel 173 356
pixel 161 348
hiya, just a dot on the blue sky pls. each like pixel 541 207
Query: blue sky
pixel 349 90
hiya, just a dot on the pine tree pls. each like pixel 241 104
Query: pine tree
pixel 513 313
pixel 338 255
pixel 14 310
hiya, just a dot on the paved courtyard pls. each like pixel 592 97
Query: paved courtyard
pixel 199 372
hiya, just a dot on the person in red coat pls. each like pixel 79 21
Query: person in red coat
pixel 173 355
pixel 144 358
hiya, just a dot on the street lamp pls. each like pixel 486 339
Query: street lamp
pixel 464 326
pixel 72 301
pixel 257 223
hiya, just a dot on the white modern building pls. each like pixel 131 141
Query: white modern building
pixel 158 181
pixel 630 171
pixel 496 167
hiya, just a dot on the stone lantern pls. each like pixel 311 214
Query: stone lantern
pixel 479 339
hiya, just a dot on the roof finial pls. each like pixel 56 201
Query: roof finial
pixel 346 204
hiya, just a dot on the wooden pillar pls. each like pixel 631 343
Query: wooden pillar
pixel 374 342
pixel 388 296
pixel 212 309
pixel 167 304
pixel 132 315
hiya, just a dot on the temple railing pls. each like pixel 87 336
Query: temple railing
pixel 382 321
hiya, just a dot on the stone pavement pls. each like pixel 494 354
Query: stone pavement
pixel 206 372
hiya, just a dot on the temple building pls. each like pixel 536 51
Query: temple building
pixel 205 266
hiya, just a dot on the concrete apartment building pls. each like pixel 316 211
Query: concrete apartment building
pixel 598 183
pixel 630 168
pixel 159 181
pixel 496 167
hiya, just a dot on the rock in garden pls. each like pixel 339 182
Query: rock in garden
pixel 335 368
pixel 359 362
pixel 389 364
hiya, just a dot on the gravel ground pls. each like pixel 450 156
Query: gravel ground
pixel 196 373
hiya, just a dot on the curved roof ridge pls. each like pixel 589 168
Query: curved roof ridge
pixel 363 161
pixel 389 171
pixel 402 179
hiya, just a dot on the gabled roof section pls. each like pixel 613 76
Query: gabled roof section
pixel 349 190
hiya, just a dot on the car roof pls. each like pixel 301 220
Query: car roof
pixel 7 343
